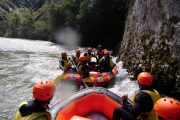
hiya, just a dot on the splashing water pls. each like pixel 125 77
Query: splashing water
pixel 123 85
pixel 68 37
pixel 23 62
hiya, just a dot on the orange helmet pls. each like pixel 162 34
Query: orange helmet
pixel 63 54
pixel 44 90
pixel 145 78
pixel 168 108
pixel 78 51
pixel 89 49
pixel 82 58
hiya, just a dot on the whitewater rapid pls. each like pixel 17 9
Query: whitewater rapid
pixel 23 62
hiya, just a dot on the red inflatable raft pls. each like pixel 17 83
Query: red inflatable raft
pixel 96 78
pixel 89 104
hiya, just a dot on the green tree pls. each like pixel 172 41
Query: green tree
pixel 20 23
pixel 64 14
pixel 101 21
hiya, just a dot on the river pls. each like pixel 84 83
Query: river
pixel 23 62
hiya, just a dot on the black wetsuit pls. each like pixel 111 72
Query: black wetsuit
pixel 143 103
pixel 123 114
pixel 84 68
pixel 32 106
pixel 105 65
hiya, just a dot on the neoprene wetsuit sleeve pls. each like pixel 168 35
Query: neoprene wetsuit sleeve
pixel 143 103
pixel 24 110
pixel 123 114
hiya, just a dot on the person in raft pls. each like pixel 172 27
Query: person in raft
pixel 99 52
pixel 36 109
pixel 142 106
pixel 76 57
pixel 89 55
pixel 105 63
pixel 64 63
pixel 83 67
pixel 168 109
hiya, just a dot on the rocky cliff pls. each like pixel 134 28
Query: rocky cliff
pixel 151 42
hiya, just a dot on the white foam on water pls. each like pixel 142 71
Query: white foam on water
pixel 123 85
pixel 9 44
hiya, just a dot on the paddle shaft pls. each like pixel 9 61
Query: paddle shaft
pixel 80 75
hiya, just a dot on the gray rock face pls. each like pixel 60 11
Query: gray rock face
pixel 152 39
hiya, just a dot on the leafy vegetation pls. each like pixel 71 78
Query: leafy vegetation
pixel 102 21
pixel 99 21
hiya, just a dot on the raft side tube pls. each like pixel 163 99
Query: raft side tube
pixel 76 102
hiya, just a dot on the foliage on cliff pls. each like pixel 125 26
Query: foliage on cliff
pixel 99 21
pixel 12 10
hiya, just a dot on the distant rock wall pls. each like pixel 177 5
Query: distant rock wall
pixel 151 42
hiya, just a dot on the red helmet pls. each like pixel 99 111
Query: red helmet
pixel 44 90
pixel 89 50
pixel 145 79
pixel 63 54
pixel 78 51
pixel 168 108
pixel 82 58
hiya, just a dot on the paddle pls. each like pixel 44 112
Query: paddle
pixel 60 77
pixel 80 75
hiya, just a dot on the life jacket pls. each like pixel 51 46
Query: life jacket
pixel 76 60
pixel 152 115
pixel 81 71
pixel 88 57
pixel 33 116
pixel 66 63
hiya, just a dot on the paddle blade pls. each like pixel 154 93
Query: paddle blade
pixel 59 78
